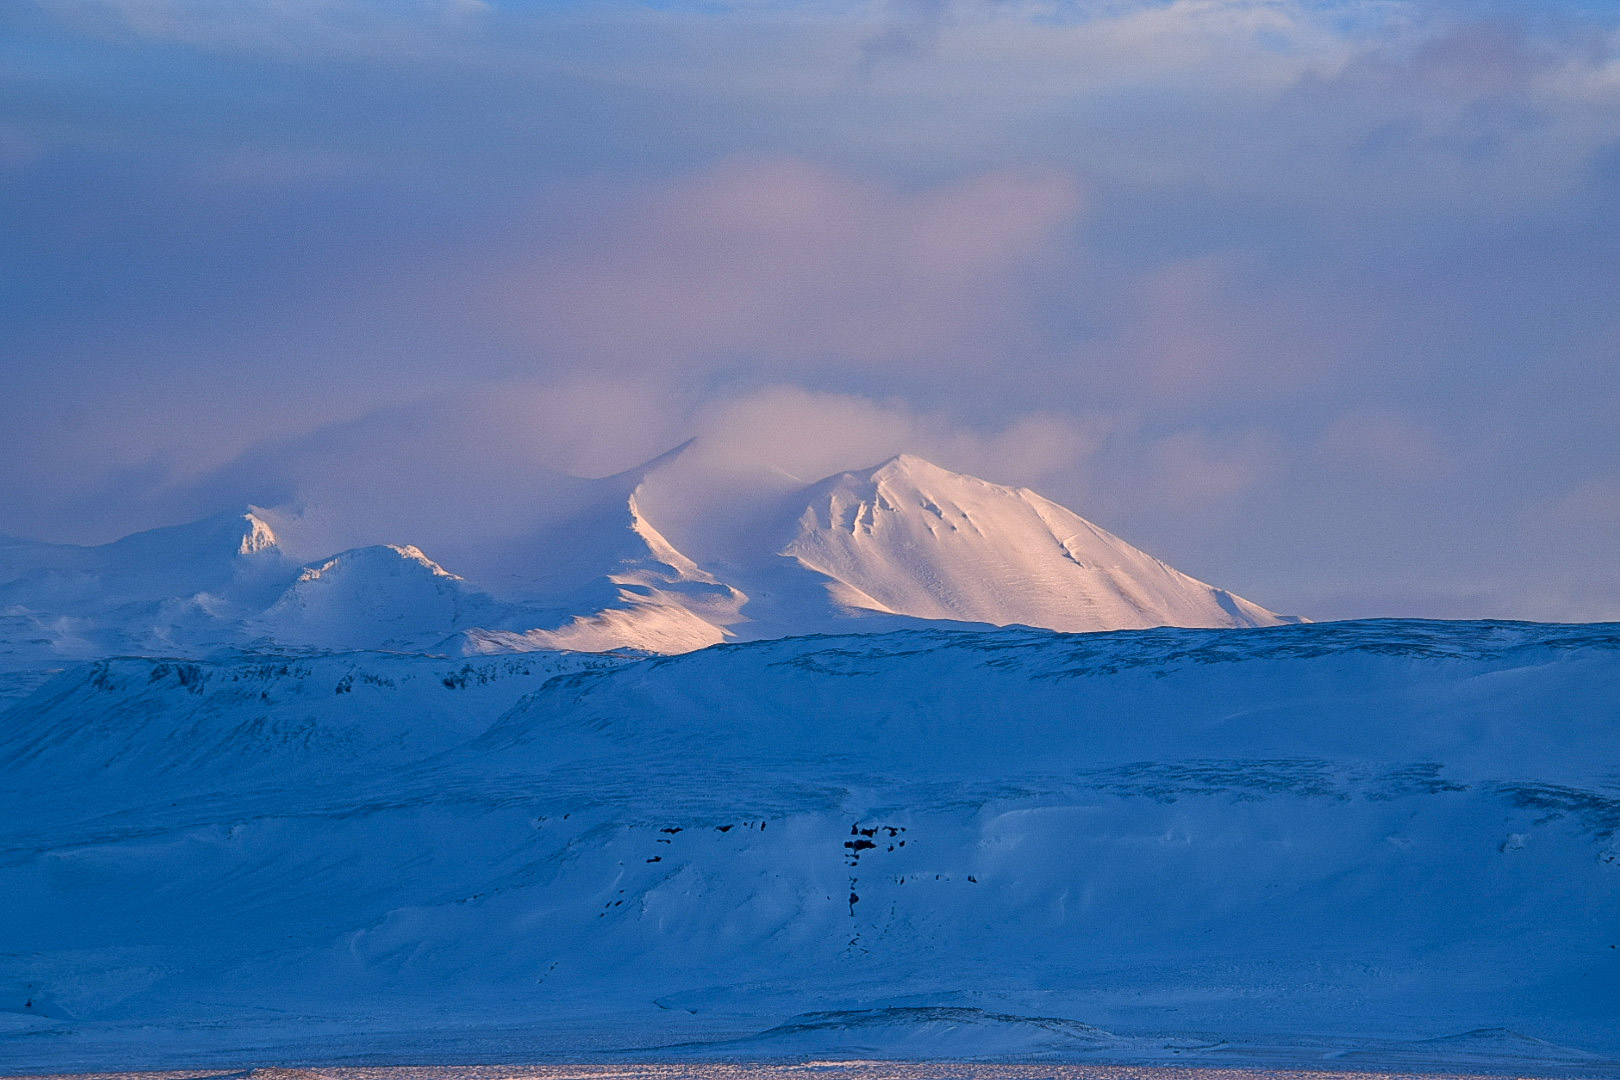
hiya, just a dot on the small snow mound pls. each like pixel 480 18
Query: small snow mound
pixel 919 1033
pixel 376 597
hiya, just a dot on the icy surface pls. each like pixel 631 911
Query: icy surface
pixel 1356 844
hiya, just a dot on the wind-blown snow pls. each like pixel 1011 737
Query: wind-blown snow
pixel 1230 846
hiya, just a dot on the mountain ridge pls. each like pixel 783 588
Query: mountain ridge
pixel 905 543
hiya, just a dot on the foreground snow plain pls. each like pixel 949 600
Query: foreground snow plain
pixel 1385 844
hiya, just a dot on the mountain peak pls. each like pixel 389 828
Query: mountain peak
pixel 258 536
pixel 911 538
pixel 910 465
pixel 632 477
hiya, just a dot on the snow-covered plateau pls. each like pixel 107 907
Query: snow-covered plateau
pixel 829 776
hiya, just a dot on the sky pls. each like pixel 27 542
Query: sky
pixel 1313 299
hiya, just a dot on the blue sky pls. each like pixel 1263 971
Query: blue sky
pixel 1313 300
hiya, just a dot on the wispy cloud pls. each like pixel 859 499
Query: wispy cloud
pixel 773 264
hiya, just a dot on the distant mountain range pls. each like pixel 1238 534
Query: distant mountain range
pixel 893 547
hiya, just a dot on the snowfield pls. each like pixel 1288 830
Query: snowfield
pixel 1357 845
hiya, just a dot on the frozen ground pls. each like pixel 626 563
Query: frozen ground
pixel 1386 844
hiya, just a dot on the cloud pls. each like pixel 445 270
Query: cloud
pixel 780 264
pixel 1583 520
pixel 910 29
pixel 260 167
pixel 471 475
pixel 289 29
pixel 809 435
pixel 1390 443
pixel 1218 327
pixel 1280 289
pixel 454 472
pixel 1200 472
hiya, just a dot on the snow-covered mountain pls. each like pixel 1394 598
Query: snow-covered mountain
pixel 219 555
pixel 182 588
pixel 910 538
pixel 1379 844
pixel 902 545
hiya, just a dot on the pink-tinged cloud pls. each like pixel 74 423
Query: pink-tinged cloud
pixel 810 434
pixel 1197 469
pixel 781 262
pixel 1391 445
pixel 1196 331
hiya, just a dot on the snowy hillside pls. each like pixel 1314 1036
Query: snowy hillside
pixel 1358 843
pixel 897 547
